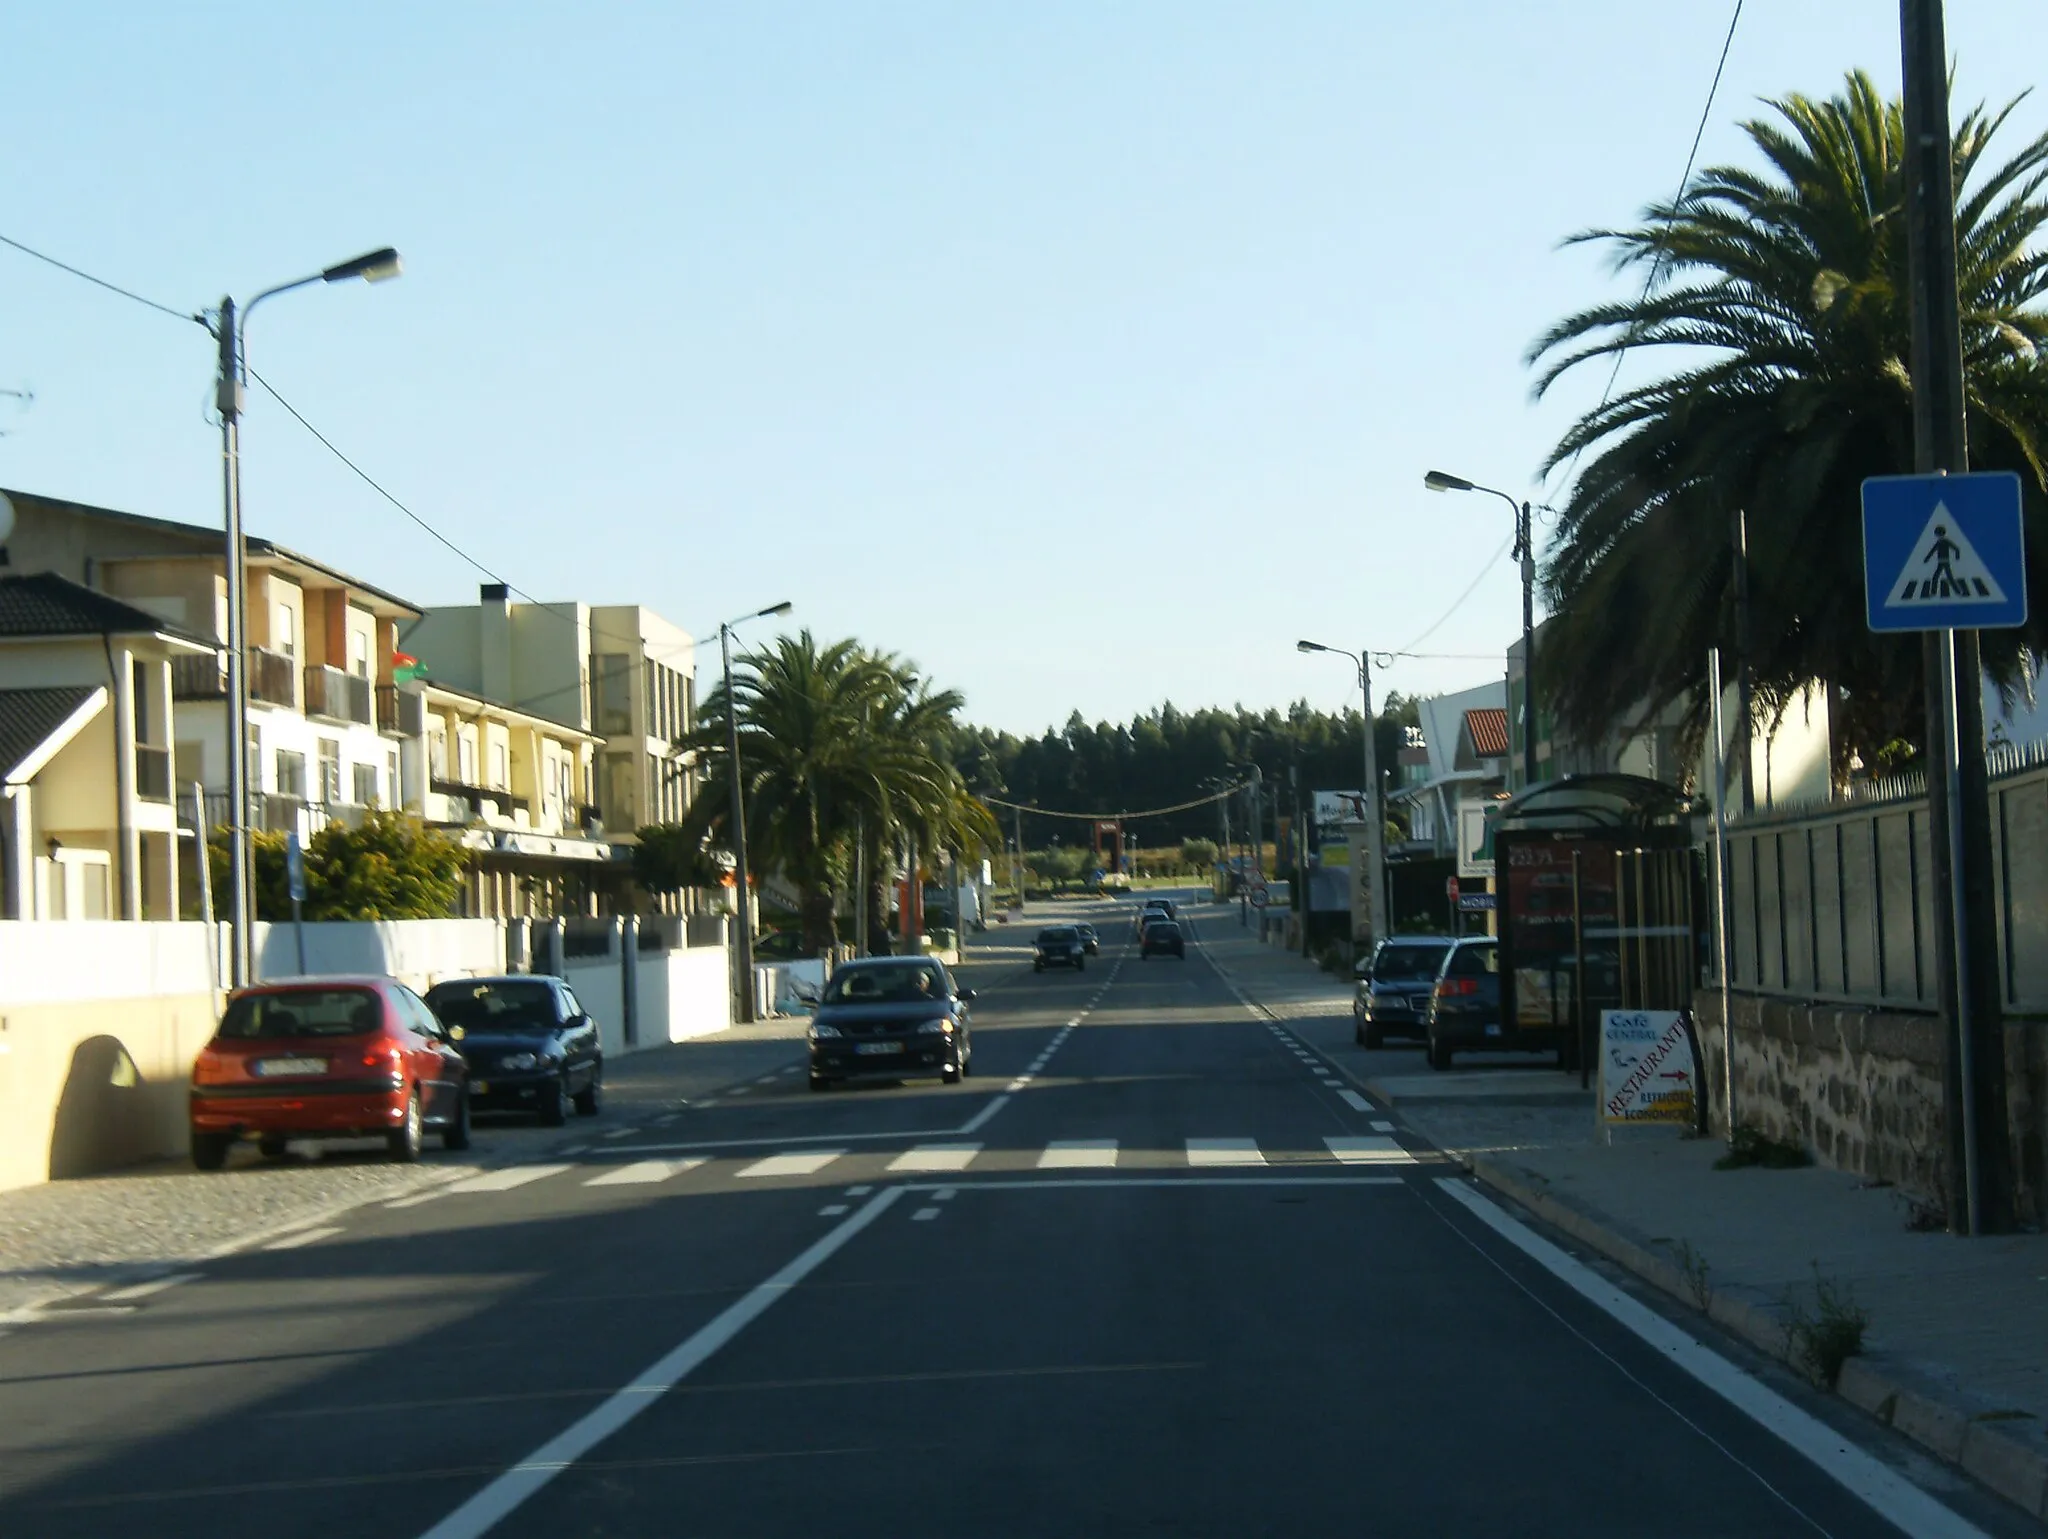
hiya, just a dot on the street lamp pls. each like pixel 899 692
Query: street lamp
pixel 372 267
pixel 1443 481
pixel 745 949
pixel 1375 821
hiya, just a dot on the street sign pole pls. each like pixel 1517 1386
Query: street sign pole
pixel 1959 911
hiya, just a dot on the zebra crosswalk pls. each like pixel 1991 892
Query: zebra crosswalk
pixel 949 1158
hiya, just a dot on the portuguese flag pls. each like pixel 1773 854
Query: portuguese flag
pixel 405 668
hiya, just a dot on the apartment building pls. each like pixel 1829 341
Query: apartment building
pixel 618 671
pixel 88 828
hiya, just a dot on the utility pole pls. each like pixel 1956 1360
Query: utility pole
pixel 1375 819
pixel 1978 1144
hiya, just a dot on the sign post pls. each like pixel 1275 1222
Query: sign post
pixel 1947 553
pixel 1451 899
pixel 295 876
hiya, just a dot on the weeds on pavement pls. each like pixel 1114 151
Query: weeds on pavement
pixel 1692 1266
pixel 1753 1146
pixel 1821 1339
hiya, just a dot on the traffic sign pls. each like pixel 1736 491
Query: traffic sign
pixel 1476 903
pixel 295 867
pixel 1259 898
pixel 1451 888
pixel 1944 552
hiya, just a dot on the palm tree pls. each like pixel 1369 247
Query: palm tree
pixel 1785 295
pixel 834 742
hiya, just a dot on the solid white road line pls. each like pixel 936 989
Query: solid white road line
pixel 1383 1127
pixel 416 1201
pixel 496 1501
pixel 505 1180
pixel 1079 1154
pixel 1887 1493
pixel 808 1164
pixel 936 1157
pixel 644 1172
pixel 1224 1151
pixel 303 1237
pixel 1354 1100
pixel 143 1290
pixel 1369 1151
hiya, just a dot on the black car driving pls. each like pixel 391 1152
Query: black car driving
pixel 1394 985
pixel 1060 946
pixel 891 1018
pixel 529 1043
pixel 1163 939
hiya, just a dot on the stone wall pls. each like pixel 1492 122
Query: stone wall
pixel 1861 1089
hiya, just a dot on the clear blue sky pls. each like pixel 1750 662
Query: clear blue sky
pixel 1087 354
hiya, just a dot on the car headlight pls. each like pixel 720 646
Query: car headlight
pixel 820 1030
pixel 934 1028
pixel 518 1061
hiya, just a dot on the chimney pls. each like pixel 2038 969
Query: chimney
pixel 494 643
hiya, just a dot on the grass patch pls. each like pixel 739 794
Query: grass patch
pixel 1752 1146
pixel 1821 1339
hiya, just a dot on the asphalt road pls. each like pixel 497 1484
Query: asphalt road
pixel 1146 1272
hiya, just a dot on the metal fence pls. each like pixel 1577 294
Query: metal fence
pixel 1835 903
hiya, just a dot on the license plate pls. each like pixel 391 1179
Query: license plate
pixel 878 1047
pixel 271 1068
pixel 479 1087
pixel 1493 1029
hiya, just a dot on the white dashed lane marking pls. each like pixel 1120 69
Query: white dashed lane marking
pixel 1369 1151
pixel 505 1180
pixel 643 1172
pixel 928 1157
pixel 792 1164
pixel 1224 1151
pixel 1079 1154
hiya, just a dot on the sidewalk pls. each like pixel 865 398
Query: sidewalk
pixel 1956 1350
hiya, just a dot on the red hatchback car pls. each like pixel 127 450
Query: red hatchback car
pixel 327 1058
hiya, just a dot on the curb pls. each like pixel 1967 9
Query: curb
pixel 1910 1402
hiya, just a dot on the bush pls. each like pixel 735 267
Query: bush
pixel 1752 1146
pixel 390 867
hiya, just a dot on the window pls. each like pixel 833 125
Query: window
pixel 437 751
pixel 501 768
pixel 619 803
pixel 254 768
pixel 614 692
pixel 291 774
pixel 330 769
pixel 366 785
pixel 393 789
pixel 359 653
pixel 465 755
pixel 284 633
pixel 138 695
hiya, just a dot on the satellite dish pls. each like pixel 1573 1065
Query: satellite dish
pixel 6 518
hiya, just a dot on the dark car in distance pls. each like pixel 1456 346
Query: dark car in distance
pixel 1059 946
pixel 327 1058
pixel 1163 939
pixel 891 1018
pixel 1464 1003
pixel 1394 984
pixel 529 1043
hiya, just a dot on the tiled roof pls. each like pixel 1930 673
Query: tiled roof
pixel 45 604
pixel 29 716
pixel 1489 729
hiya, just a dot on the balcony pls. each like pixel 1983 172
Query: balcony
pixel 479 798
pixel 401 712
pixel 153 772
pixel 334 695
pixel 269 812
pixel 272 678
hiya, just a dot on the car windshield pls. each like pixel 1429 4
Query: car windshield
pixel 885 985
pixel 303 1013
pixel 1056 936
pixel 518 1004
pixel 1407 964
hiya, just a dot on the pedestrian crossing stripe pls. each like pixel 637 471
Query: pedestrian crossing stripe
pixel 1943 567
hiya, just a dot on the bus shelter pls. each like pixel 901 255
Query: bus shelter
pixel 1602 905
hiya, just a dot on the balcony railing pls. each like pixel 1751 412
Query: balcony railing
pixel 337 696
pixel 504 803
pixel 272 678
pixel 153 772
pixel 401 712
pixel 269 812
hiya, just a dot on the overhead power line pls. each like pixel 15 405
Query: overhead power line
pixel 112 288
pixel 1112 817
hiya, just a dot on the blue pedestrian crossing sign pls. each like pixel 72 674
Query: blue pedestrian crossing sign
pixel 1944 553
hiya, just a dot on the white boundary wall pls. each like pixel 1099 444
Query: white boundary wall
pixel 417 952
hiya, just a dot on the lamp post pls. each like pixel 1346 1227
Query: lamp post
pixel 744 951
pixel 1443 481
pixel 1375 819
pixel 372 267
